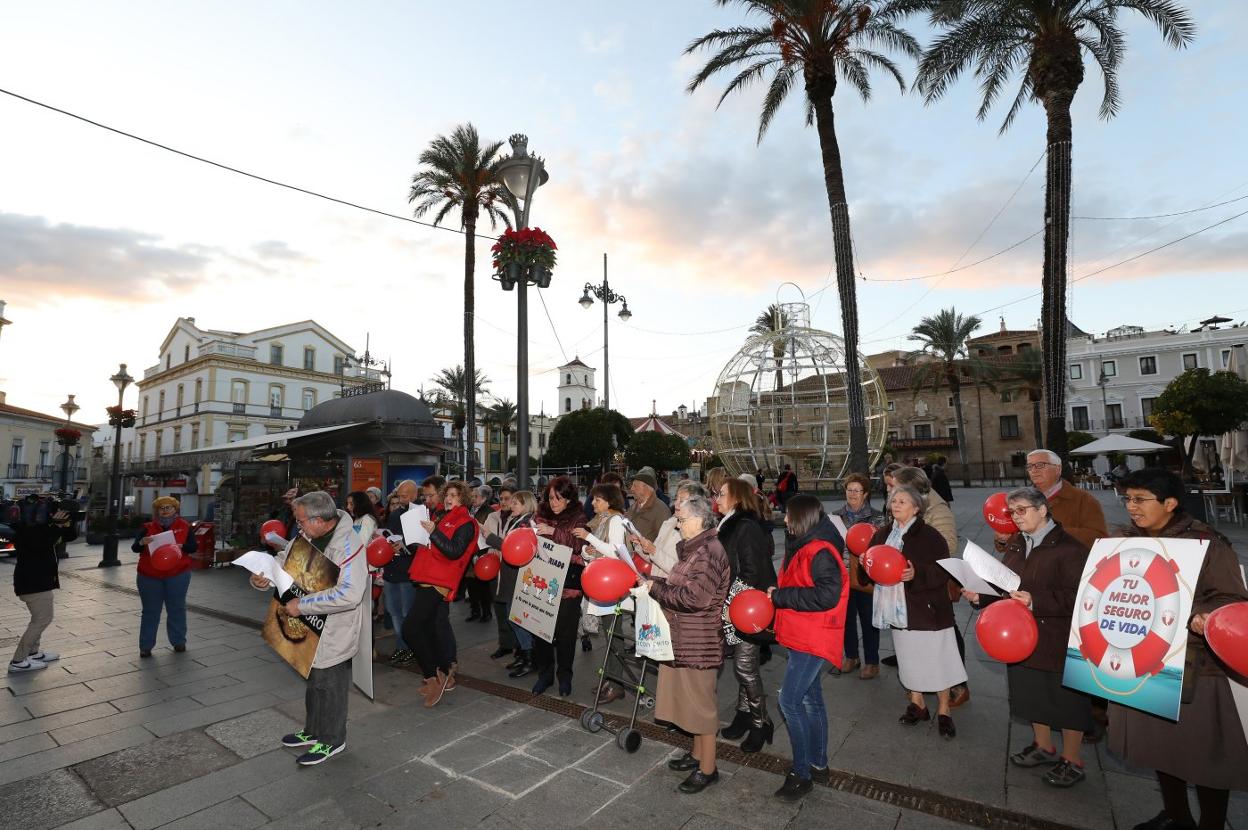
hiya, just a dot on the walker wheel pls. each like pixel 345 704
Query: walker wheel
pixel 591 721
pixel 647 702
pixel 628 740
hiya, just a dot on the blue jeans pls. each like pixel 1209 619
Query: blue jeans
pixel 169 594
pixel 801 701
pixel 524 638
pixel 859 610
pixel 398 597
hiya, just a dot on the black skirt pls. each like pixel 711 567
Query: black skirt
pixel 1039 697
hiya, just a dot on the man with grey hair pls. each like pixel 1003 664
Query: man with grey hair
pixel 1076 510
pixel 324 528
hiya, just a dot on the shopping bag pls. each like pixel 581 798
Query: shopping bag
pixel 888 610
pixel 653 635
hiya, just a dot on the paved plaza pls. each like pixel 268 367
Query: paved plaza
pixel 102 739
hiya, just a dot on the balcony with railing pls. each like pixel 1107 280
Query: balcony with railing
pixel 1100 425
pixel 226 349
pixel 47 471
pixel 19 471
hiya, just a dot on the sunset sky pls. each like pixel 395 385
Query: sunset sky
pixel 105 241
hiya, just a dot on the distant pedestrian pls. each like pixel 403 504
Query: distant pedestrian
pixel 160 589
pixel 38 525
pixel 940 479
pixel 360 509
pixel 786 485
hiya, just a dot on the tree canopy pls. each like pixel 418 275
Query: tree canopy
pixel 588 437
pixel 1199 402
pixel 657 450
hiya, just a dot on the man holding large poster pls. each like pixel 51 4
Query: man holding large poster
pixel 1200 737
pixel 315 625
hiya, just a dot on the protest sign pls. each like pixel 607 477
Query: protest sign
pixel 535 601
pixel 1128 636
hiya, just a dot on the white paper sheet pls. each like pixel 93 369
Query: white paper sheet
pixel 163 538
pixel 413 532
pixel 262 563
pixel 989 568
pixel 960 570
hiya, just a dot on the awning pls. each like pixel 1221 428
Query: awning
pixel 239 450
pixel 1121 443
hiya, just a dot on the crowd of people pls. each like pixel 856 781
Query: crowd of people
pixel 714 540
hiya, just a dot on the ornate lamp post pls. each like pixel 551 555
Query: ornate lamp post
pixel 604 293
pixel 522 174
pixel 67 437
pixel 118 418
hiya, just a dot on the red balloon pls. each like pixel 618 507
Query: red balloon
pixel 1007 631
pixel 997 514
pixel 607 580
pixel 643 566
pixel 751 611
pixel 519 546
pixel 884 564
pixel 1226 630
pixel 167 558
pixel 273 526
pixel 858 538
pixel 487 567
pixel 379 553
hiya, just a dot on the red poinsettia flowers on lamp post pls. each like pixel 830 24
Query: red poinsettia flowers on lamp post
pixel 528 253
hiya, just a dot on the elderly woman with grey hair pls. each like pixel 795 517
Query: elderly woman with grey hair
pixel 692 597
pixel 927 651
pixel 1049 562
pixel 661 553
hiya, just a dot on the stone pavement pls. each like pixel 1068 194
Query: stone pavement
pixel 103 739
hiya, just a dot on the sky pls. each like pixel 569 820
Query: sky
pixel 105 241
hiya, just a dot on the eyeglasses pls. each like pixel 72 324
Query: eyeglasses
pixel 855 490
pixel 1021 511
pixel 1137 500
pixel 1039 465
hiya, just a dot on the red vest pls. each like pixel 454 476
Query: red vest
pixel 821 633
pixel 181 530
pixel 430 567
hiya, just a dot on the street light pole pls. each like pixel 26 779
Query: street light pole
pixel 121 380
pixel 522 174
pixel 604 293
pixel 69 408
pixel 1102 381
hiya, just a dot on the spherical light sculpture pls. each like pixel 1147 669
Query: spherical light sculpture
pixel 781 400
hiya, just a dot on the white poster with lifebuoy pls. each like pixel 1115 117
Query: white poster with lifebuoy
pixel 535 602
pixel 1128 635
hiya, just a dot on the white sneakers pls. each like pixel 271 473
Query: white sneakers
pixel 36 661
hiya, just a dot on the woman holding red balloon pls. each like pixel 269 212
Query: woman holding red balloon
pixel 1049 562
pixel 164 575
pixel 1207 746
pixel 858 511
pixel 810 603
pixel 927 651
pixel 692 598
pixel 605 536
pixel 557 517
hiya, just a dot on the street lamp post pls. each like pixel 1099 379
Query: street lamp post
pixel 604 293
pixel 69 408
pixel 1102 382
pixel 522 174
pixel 121 380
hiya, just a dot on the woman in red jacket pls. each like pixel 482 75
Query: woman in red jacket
pixel 810 606
pixel 163 589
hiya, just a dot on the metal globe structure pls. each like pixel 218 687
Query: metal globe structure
pixel 781 400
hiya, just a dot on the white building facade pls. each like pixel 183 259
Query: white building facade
pixel 210 388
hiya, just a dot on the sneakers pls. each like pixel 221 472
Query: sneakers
pixel 298 739
pixel 402 657
pixel 1033 756
pixel 44 656
pixel 29 664
pixel 319 754
pixel 794 788
pixel 1064 774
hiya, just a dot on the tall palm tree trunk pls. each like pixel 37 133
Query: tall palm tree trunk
pixel 1056 238
pixel 470 368
pixel 955 385
pixel 834 181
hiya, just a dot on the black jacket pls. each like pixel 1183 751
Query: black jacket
pixel 750 550
pixel 940 483
pixel 396 570
pixel 36 540
pixel 824 571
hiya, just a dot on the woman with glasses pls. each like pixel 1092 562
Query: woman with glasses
pixel 858 510
pixel 557 517
pixel 1206 747
pixel 1049 562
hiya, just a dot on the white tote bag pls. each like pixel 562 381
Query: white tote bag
pixel 653 635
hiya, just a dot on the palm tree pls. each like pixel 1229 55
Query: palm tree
pixel 772 320
pixel 503 414
pixel 820 42
pixel 944 336
pixel 1022 372
pixel 458 172
pixel 450 399
pixel 1043 41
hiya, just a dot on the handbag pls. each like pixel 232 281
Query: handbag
pixel 653 633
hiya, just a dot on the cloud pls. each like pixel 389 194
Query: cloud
pixel 113 263
pixel 276 249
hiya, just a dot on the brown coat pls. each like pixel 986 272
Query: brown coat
pixel 1220 583
pixel 650 518
pixel 1051 575
pixel 928 607
pixel 692 598
pixel 1079 513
